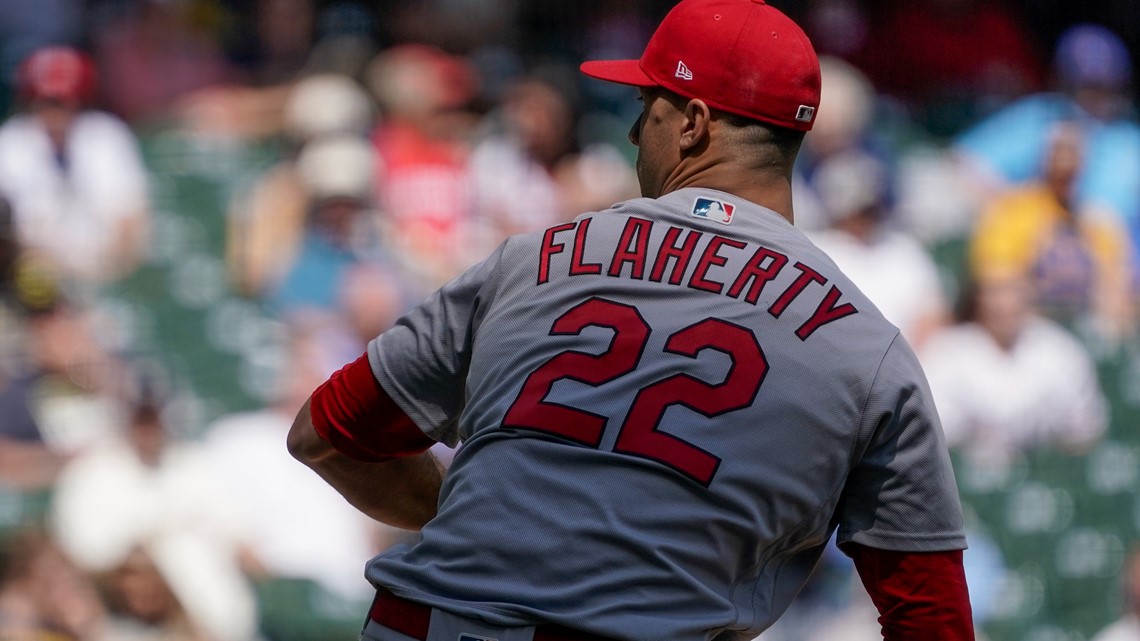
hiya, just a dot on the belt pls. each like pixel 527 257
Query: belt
pixel 413 619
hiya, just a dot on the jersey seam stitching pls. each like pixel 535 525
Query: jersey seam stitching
pixel 870 391
pixel 863 413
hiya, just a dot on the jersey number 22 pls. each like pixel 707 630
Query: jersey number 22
pixel 639 434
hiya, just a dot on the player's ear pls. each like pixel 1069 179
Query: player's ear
pixel 695 124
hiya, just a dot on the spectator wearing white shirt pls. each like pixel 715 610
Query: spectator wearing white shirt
pixel 143 503
pixel 268 488
pixel 891 267
pixel 530 172
pixel 74 175
pixel 1009 379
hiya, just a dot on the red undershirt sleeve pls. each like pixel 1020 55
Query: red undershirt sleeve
pixel 920 596
pixel 354 413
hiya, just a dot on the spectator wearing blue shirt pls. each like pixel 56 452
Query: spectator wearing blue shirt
pixel 1094 72
pixel 336 174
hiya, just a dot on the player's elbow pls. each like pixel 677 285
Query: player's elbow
pixel 303 441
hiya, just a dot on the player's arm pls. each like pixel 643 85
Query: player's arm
pixel 357 439
pixel 899 516
pixel 369 447
pixel 920 596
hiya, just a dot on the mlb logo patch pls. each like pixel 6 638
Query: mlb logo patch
pixel 472 637
pixel 714 209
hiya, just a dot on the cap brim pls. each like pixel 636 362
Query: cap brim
pixel 625 72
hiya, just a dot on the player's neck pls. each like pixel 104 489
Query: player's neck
pixel 768 187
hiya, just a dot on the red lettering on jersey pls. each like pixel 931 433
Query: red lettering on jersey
pixel 577 267
pixel 709 259
pixel 807 276
pixel 669 251
pixel 639 434
pixel 757 274
pixel 532 411
pixel 826 313
pixel 549 249
pixel 632 248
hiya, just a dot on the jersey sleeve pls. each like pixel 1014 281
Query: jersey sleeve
pixel 422 361
pixel 901 494
pixel 921 596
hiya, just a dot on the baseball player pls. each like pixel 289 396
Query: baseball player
pixel 666 408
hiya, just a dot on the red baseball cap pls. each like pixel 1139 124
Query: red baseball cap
pixel 57 73
pixel 740 56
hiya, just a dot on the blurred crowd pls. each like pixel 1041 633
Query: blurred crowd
pixel 979 180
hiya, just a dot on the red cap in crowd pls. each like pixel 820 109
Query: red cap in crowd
pixel 740 56
pixel 57 73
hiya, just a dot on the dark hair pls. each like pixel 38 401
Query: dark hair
pixel 783 140
pixel 772 145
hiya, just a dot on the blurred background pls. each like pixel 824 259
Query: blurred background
pixel 208 206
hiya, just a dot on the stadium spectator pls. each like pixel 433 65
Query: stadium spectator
pixel 74 175
pixel 530 173
pixel 1078 259
pixel 837 27
pixel 143 605
pixel 892 268
pixel 340 231
pixel 1007 378
pixel 1094 71
pixel 267 486
pixel 346 39
pixel 43 596
pixel 423 143
pixel 249 101
pixel 27 27
pixel 266 221
pixel 144 492
pixel 153 53
pixel 55 397
pixel 844 126
pixel 291 41
pixel 948 57
pixel 284 37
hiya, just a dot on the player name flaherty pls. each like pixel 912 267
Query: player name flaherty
pixel 669 261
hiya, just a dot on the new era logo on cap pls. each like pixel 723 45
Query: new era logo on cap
pixel 683 72
pixel 714 209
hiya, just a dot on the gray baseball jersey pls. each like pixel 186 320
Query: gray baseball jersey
pixel 666 409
